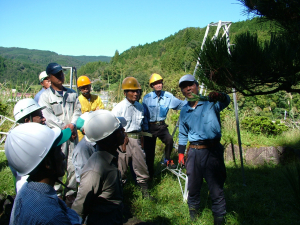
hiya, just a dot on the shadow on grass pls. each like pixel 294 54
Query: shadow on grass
pixel 3 164
pixel 266 198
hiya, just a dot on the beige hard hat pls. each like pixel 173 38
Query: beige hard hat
pixel 131 83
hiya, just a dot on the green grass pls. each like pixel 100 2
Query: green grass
pixel 7 184
pixel 266 199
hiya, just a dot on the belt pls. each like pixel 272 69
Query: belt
pixel 137 135
pixel 158 122
pixel 210 144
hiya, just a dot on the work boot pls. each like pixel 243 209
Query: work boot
pixel 219 220
pixel 170 164
pixel 193 214
pixel 145 192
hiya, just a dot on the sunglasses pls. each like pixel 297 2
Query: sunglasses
pixel 59 74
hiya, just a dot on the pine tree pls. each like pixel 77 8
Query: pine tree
pixel 116 57
pixel 254 67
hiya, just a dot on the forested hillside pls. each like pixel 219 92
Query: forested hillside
pixel 175 56
pixel 172 55
pixel 21 64
pixel 14 73
pixel 44 57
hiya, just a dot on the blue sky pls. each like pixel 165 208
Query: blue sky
pixel 96 27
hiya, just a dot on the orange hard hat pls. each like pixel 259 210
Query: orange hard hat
pixel 82 81
pixel 130 83
pixel 155 77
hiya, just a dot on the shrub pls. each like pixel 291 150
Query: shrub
pixel 96 86
pixel 262 125
pixel 3 108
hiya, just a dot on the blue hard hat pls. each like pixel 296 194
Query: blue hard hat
pixel 53 68
pixel 187 77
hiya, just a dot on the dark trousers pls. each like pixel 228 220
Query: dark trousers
pixel 208 164
pixel 114 217
pixel 161 132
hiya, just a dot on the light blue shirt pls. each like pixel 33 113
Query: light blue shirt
pixel 202 122
pixel 158 107
pixel 37 96
pixel 37 203
pixel 133 114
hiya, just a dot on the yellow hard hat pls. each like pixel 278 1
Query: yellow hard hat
pixel 130 83
pixel 82 81
pixel 155 77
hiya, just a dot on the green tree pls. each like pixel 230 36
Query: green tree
pixel 254 67
pixel 116 57
pixel 97 86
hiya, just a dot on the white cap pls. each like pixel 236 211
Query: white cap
pixel 42 76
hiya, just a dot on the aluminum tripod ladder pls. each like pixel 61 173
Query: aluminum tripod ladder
pixel 178 172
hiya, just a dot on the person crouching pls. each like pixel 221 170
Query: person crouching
pixel 100 194
pixel 35 149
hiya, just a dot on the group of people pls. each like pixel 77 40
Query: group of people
pixel 60 131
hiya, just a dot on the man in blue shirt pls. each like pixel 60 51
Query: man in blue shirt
pixel 200 125
pixel 37 202
pixel 157 104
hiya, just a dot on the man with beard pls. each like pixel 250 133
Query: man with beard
pixel 62 111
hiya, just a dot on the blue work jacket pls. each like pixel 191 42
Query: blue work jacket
pixel 202 122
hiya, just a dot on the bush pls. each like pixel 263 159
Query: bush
pixel 262 125
pixel 96 86
pixel 3 108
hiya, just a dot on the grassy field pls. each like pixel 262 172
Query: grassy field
pixel 266 198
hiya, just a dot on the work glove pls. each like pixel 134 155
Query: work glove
pixel 181 159
pixel 216 97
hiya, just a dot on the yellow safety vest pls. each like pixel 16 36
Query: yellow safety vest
pixel 94 104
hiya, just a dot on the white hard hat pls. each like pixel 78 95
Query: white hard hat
pixel 42 76
pixel 28 144
pixel 100 124
pixel 80 121
pixel 24 107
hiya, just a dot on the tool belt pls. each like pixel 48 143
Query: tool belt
pixel 162 122
pixel 137 135
pixel 205 144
